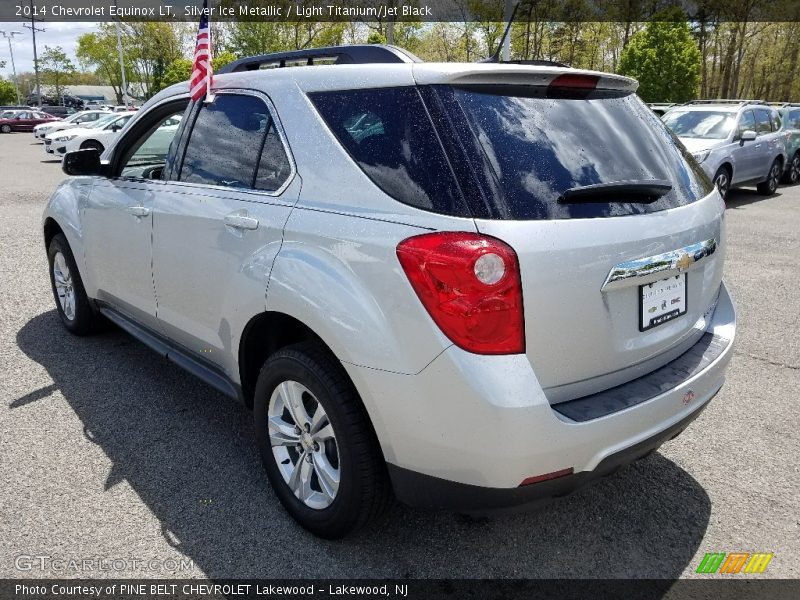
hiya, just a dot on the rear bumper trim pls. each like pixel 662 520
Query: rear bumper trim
pixel 708 349
pixel 425 491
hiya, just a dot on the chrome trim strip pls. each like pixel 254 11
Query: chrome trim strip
pixel 660 266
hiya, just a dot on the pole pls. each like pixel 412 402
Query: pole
pixel 122 66
pixel 507 41
pixel 35 59
pixel 10 36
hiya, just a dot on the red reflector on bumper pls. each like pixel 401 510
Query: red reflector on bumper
pixel 546 476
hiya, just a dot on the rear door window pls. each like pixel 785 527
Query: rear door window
pixel 775 119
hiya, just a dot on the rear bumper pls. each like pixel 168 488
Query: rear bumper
pixel 467 430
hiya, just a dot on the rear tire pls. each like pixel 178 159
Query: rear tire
pixel 770 185
pixel 74 307
pixel 328 471
pixel 722 181
pixel 792 176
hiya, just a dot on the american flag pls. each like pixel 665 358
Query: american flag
pixel 202 73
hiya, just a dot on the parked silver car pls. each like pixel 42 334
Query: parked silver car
pixel 473 286
pixel 737 142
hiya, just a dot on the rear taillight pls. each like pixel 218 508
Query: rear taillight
pixel 470 285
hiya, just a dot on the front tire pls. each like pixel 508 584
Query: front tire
pixel 5 128
pixel 73 305
pixel 792 176
pixel 92 145
pixel 722 181
pixel 770 185
pixel 317 444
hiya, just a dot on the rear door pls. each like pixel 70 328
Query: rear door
pixel 614 284
pixel 219 224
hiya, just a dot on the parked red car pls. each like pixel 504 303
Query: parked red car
pixel 25 120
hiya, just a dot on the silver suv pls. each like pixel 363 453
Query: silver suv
pixel 470 286
pixel 737 142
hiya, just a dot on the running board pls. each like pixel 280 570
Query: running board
pixel 171 351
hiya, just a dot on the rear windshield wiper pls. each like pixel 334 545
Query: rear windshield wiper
pixel 636 191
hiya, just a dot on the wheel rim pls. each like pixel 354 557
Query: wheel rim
pixel 794 172
pixel 64 288
pixel 774 174
pixel 304 445
pixel 6 129
pixel 721 181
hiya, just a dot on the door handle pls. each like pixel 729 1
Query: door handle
pixel 758 146
pixel 139 211
pixel 238 221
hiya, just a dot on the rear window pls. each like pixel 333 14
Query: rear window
pixel 509 152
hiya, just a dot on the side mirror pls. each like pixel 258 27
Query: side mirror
pixel 748 135
pixel 82 162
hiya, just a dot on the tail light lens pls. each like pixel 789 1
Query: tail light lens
pixel 470 285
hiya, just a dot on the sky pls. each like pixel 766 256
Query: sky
pixel 55 34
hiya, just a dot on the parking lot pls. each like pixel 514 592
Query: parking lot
pixel 110 452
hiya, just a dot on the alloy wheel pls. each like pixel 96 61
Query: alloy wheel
pixel 304 444
pixel 794 170
pixel 721 181
pixel 774 176
pixel 64 286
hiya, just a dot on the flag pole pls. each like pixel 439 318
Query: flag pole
pixel 209 95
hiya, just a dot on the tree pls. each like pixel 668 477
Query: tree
pixel 664 58
pixel 180 70
pixel 8 94
pixel 99 50
pixel 55 66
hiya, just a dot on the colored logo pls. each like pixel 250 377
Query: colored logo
pixel 734 562
pixel 683 262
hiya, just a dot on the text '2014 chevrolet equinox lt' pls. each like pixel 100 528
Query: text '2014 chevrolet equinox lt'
pixel 469 286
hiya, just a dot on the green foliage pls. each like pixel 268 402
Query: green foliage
pixel 376 37
pixel 7 93
pixel 180 70
pixel 99 51
pixel 55 66
pixel 665 59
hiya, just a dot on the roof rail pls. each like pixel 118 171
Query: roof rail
pixel 726 101
pixel 333 55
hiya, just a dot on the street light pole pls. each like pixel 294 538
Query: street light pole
pixel 121 64
pixel 10 36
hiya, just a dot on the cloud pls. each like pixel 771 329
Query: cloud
pixel 54 34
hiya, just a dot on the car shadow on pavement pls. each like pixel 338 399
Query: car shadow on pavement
pixel 190 456
pixel 740 197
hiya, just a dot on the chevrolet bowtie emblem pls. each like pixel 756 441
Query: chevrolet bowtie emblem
pixel 683 262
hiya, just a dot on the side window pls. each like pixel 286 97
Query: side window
pixel 225 142
pixel 762 121
pixel 274 167
pixel 747 122
pixel 775 119
pixel 794 119
pixel 150 155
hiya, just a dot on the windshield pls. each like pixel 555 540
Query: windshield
pixel 71 118
pixel 103 121
pixel 703 124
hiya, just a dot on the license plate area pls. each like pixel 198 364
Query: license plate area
pixel 662 301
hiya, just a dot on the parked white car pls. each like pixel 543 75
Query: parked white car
pixel 79 119
pixel 97 135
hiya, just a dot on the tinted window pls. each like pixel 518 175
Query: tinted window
pixel 390 136
pixel 794 119
pixel 747 122
pixel 775 119
pixel 225 142
pixel 274 167
pixel 762 121
pixel 537 147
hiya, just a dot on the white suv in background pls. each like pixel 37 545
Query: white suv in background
pixel 737 142
pixel 474 285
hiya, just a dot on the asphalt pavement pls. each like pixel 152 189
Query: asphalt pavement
pixel 110 453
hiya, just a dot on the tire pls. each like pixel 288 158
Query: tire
pixel 792 176
pixel 74 307
pixel 92 145
pixel 345 448
pixel 722 181
pixel 770 185
pixel 6 128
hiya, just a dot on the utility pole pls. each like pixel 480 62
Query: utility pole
pixel 34 29
pixel 10 36
pixel 121 63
